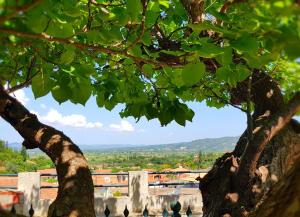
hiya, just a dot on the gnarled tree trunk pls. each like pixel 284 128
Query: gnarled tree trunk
pixel 240 180
pixel 76 193
pixel 284 199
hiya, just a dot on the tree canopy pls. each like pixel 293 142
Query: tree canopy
pixel 153 56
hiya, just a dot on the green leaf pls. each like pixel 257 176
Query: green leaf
pixel 60 29
pixel 246 43
pixel 41 84
pixel 37 25
pixel 225 73
pixel 207 25
pixel 93 36
pixel 193 72
pixel 100 99
pixel 61 93
pixel 134 8
pixel 146 39
pixel 209 50
pixel 81 90
pixel 106 15
pixel 71 9
pixel 68 55
pixel 165 117
pixel 230 76
pixel 165 3
pixel 136 51
pixel 85 70
pixel 227 56
pixel 293 49
pixel 242 72
pixel 110 104
pixel 147 68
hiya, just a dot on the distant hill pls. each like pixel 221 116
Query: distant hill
pixel 205 145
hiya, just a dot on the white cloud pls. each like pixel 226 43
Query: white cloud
pixel 21 96
pixel 73 120
pixel 124 126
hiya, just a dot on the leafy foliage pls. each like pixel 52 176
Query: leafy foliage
pixel 147 55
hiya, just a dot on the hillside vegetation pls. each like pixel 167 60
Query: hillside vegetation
pixel 12 161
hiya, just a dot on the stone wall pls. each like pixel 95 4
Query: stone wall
pixel 138 198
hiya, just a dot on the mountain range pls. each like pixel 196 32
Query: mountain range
pixel 205 145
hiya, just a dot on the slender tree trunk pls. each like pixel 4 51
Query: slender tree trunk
pixel 76 193
pixel 240 180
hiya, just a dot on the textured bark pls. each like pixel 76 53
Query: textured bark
pixel 240 180
pixel 195 9
pixel 284 199
pixel 76 193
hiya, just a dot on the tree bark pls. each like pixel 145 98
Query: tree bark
pixel 240 180
pixel 76 193
pixel 284 199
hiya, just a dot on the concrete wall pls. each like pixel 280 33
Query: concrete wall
pixel 137 199
pixel 29 183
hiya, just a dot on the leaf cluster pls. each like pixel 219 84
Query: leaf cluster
pixel 147 55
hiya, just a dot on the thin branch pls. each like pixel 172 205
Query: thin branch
pixel 249 116
pixel 90 18
pixel 176 30
pixel 82 46
pixel 19 10
pixel 211 4
pixel 145 4
pixel 224 100
pixel 28 80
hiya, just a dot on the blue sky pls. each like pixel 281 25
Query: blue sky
pixel 92 125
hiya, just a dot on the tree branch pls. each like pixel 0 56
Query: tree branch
pixel 82 46
pixel 195 9
pixel 264 135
